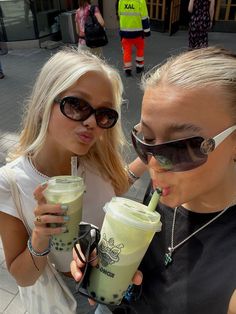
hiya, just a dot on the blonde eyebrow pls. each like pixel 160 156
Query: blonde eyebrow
pixel 178 127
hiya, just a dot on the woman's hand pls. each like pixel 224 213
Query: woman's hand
pixel 49 219
pixel 77 266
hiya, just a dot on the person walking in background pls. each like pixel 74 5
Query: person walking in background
pixel 1 72
pixel 134 26
pixel 80 19
pixel 202 13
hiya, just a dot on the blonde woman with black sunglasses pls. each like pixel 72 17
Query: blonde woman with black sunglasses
pixel 73 111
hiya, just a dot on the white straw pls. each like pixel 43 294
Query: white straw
pixel 74 165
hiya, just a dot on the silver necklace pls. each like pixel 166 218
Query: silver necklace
pixel 35 170
pixel 172 248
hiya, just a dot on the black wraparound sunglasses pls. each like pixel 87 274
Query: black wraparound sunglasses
pixel 78 109
pixel 178 155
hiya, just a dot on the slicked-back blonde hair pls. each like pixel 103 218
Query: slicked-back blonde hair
pixel 59 73
pixel 215 67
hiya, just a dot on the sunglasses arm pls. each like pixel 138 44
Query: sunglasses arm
pixel 222 136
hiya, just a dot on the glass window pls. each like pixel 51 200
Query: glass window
pixel 232 13
pixel 222 13
pixel 28 19
pixel 17 20
pixel 47 16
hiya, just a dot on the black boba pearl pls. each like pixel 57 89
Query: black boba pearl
pixel 93 294
pixel 115 296
pixel 102 299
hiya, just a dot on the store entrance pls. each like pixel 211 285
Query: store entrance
pixel 168 15
pixel 174 16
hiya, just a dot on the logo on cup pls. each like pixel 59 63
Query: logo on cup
pixel 109 251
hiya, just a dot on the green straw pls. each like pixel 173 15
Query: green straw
pixel 154 200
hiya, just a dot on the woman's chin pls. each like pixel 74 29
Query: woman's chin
pixel 169 201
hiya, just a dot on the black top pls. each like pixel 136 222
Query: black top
pixel 202 275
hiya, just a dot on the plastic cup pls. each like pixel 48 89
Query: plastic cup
pixel 66 190
pixel 126 233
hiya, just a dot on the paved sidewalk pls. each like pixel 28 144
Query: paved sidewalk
pixel 21 67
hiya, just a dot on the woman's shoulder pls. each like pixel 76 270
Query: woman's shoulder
pixel 13 170
pixel 15 165
pixel 20 170
pixel 9 172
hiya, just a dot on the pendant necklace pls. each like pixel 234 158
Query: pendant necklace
pixel 172 248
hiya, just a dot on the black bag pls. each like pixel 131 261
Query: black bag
pixel 95 35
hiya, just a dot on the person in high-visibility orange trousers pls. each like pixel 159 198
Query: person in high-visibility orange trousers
pixel 134 26
pixel 127 44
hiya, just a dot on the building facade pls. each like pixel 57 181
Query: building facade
pixel 22 20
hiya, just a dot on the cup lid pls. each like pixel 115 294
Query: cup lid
pixel 133 213
pixel 66 182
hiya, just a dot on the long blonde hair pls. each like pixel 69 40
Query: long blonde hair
pixel 59 73
pixel 199 68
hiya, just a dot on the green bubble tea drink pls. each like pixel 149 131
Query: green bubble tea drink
pixel 127 231
pixel 66 190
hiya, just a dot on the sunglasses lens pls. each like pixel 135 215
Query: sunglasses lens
pixel 79 110
pixel 76 109
pixel 140 148
pixel 106 118
pixel 179 155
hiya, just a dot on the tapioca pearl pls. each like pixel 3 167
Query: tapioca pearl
pixel 115 296
pixel 102 299
pixel 93 294
pixel 112 303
